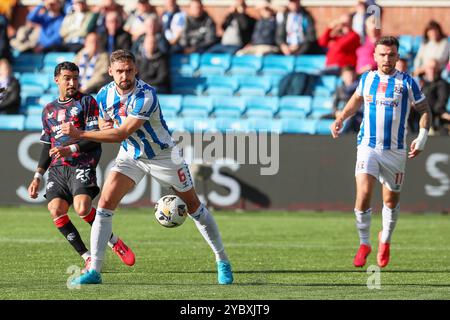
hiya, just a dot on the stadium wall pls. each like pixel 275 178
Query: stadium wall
pixel 396 19
pixel 313 173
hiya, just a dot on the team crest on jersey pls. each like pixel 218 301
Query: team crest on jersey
pixel 74 111
pixel 398 89
pixel 122 110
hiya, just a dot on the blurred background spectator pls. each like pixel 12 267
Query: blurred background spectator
pixel 365 60
pixel 115 37
pixel 153 65
pixel 263 37
pixel 199 32
pixel 237 29
pixel 49 16
pixel 152 27
pixel 93 64
pixel 9 89
pixel 296 32
pixel 134 24
pixel 76 25
pixel 434 46
pixel 341 42
pixel 437 92
pixel 26 38
pixel 102 10
pixel 5 49
pixel 173 20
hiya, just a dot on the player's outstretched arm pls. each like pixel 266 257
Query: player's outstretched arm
pixel 418 144
pixel 350 109
pixel 129 126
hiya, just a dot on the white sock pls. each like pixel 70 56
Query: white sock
pixel 113 240
pixel 208 228
pixel 86 255
pixel 363 220
pixel 390 217
pixel 100 234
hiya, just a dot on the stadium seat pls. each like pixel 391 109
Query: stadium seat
pixel 253 86
pixel 323 126
pixel 12 122
pixel 33 110
pixel 184 65
pixel 170 104
pixel 187 85
pixel 322 103
pixel 28 62
pixel 261 106
pixel 230 124
pixel 221 85
pixel 30 80
pixel 263 124
pixel 196 106
pixel 194 124
pixel 416 42
pixel 245 65
pixel 33 123
pixel 231 107
pixel 277 64
pixel 448 105
pixel 51 59
pixel 406 43
pixel 214 64
pixel 274 83
pixel 295 106
pixel 326 86
pixel 312 64
pixel 46 99
pixel 302 126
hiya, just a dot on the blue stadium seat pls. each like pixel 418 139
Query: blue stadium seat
pixel 322 103
pixel 196 106
pixel 221 85
pixel 230 124
pixel 406 43
pixel 295 106
pixel 51 59
pixel 214 64
pixel 184 65
pixel 46 99
pixel 253 86
pixel 310 63
pixel 170 104
pixel 263 125
pixel 326 86
pixel 277 64
pixel 175 124
pixel 33 110
pixel 33 123
pixel 275 83
pixel 302 126
pixel 245 65
pixel 448 105
pixel 12 122
pixel 187 85
pixel 416 42
pixel 261 106
pixel 195 124
pixel 28 62
pixel 29 80
pixel 323 126
pixel 225 106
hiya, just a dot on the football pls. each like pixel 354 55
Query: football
pixel 170 211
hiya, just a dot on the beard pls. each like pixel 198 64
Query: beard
pixel 70 93
pixel 125 85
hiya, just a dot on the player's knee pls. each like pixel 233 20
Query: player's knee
pixel 82 210
pixel 107 202
pixel 56 212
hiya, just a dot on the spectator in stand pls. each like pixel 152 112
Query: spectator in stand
pixel 365 53
pixel 199 32
pixel 76 25
pixel 26 38
pixel 296 32
pixel 237 29
pixel 93 64
pixel 115 37
pixel 435 46
pixel 342 95
pixel 402 65
pixel 263 37
pixel 50 17
pixel 5 48
pixel 102 10
pixel 152 27
pixel 173 20
pixel 342 43
pixel 437 92
pixel 9 89
pixel 153 65
pixel 134 24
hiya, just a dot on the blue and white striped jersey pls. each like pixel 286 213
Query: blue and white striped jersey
pixel 387 102
pixel 141 103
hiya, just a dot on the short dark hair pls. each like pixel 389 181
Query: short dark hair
pixel 436 26
pixel 348 68
pixel 121 55
pixel 66 65
pixel 388 41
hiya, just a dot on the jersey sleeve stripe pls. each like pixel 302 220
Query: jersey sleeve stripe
pixel 373 111
pixel 401 128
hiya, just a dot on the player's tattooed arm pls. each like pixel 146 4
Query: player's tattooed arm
pixel 425 114
pixel 349 110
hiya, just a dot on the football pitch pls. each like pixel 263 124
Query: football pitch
pixel 275 255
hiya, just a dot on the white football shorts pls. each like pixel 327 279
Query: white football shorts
pixel 388 166
pixel 167 167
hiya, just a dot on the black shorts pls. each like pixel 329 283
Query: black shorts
pixel 66 182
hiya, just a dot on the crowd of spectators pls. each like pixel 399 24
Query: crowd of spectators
pixel 94 32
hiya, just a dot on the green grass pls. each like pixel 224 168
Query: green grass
pixel 275 255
